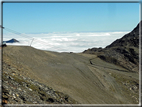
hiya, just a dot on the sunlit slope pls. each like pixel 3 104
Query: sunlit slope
pixel 84 77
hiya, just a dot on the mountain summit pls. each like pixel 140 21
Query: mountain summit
pixel 129 40
pixel 123 52
pixel 11 41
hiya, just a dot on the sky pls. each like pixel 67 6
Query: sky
pixel 69 27
pixel 70 17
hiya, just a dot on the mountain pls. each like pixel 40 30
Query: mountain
pixel 129 40
pixel 35 76
pixel 96 76
pixel 11 41
pixel 123 52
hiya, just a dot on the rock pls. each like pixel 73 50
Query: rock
pixel 18 89
pixel 4 101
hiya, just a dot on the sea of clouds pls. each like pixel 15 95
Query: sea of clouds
pixel 65 41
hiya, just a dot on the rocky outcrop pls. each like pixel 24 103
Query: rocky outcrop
pixel 129 40
pixel 19 89
pixel 93 50
pixel 123 52
pixel 126 57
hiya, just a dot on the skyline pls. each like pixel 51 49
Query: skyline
pixel 72 26
pixel 66 42
pixel 70 17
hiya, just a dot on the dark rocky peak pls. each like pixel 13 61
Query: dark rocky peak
pixel 134 33
pixel 12 41
pixel 91 51
pixel 139 26
pixel 123 52
pixel 130 39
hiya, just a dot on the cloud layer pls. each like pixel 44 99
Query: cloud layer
pixel 66 42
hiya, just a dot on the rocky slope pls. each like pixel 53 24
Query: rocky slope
pixel 28 74
pixel 123 52
pixel 96 76
pixel 19 89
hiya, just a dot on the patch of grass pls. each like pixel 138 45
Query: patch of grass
pixel 20 81
pixel 121 79
pixel 43 95
pixel 126 83
pixel 4 77
pixel 34 87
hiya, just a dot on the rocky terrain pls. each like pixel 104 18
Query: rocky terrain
pixel 96 76
pixel 19 89
pixel 123 52
pixel 81 78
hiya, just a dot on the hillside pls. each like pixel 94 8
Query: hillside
pixel 123 52
pixel 72 78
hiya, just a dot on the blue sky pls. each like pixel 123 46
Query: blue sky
pixel 70 17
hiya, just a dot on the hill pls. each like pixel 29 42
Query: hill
pixel 74 78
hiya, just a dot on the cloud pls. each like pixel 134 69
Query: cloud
pixel 68 41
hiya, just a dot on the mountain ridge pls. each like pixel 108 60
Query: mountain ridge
pixel 123 52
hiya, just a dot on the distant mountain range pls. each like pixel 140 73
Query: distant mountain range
pixel 123 52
